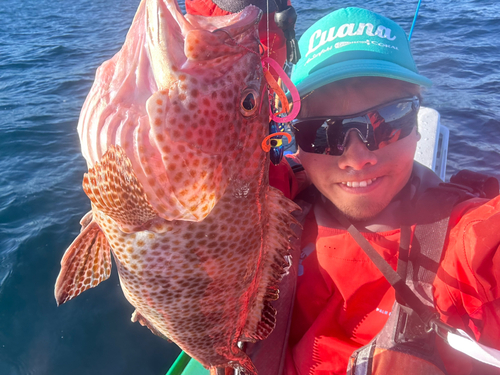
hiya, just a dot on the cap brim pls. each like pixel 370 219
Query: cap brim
pixel 359 68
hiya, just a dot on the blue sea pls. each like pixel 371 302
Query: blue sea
pixel 49 51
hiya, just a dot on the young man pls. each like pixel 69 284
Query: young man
pixel 356 134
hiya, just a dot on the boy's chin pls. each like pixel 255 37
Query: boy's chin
pixel 366 212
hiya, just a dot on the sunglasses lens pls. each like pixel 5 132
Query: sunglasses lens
pixel 392 123
pixel 311 135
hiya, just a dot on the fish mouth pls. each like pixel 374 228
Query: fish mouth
pixel 172 37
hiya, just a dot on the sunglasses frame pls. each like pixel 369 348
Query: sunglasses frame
pixel 330 120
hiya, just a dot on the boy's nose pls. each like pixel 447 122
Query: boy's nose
pixel 356 155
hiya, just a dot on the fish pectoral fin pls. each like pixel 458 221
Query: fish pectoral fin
pixel 86 263
pixel 114 189
pixel 86 220
pixel 137 317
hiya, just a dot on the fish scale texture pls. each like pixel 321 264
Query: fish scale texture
pixel 203 284
pixel 172 132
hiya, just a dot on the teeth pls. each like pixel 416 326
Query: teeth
pixel 356 184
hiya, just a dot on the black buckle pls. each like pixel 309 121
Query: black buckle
pixel 441 328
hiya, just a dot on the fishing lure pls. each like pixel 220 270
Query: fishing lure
pixel 273 143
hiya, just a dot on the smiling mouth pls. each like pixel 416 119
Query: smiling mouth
pixel 357 184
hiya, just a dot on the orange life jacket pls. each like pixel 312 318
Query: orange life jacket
pixel 342 301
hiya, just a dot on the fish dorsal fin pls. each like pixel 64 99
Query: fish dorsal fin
pixel 114 189
pixel 262 316
pixel 84 265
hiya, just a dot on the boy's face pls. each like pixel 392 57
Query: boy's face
pixel 388 169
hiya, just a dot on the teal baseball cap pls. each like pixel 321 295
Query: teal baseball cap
pixel 354 42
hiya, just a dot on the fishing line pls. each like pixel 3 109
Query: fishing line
pixel 267 19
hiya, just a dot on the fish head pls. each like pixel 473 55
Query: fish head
pixel 186 99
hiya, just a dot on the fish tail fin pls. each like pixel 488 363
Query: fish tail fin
pixel 262 316
pixel 221 371
pixel 238 360
pixel 86 263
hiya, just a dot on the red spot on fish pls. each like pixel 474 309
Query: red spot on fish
pixel 188 134
pixel 158 121
pixel 182 96
pixel 160 137
pixel 194 93
pixel 182 77
pixel 178 177
pixel 159 102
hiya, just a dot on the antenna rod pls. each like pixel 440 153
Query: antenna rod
pixel 414 20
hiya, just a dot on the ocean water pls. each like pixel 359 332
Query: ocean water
pixel 49 51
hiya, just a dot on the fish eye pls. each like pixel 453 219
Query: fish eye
pixel 248 104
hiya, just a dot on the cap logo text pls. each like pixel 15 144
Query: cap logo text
pixel 320 38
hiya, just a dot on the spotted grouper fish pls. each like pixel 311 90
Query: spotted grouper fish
pixel 172 131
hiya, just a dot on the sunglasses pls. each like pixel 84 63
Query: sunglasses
pixel 377 127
